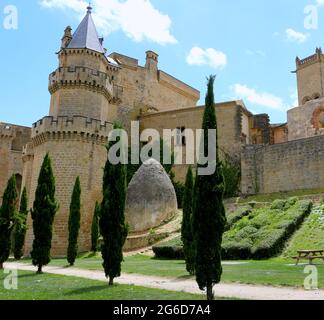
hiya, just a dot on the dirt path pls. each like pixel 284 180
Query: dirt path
pixel 250 292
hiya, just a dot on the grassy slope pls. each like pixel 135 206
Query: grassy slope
pixel 55 287
pixel 311 234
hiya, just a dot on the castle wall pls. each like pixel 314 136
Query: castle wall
pixel 12 139
pixel 147 88
pixel 283 167
pixel 77 148
pixel 229 119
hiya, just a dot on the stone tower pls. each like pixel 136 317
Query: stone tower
pixel 310 77
pixel 76 130
pixel 307 120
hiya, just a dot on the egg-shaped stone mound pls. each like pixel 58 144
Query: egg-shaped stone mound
pixel 151 198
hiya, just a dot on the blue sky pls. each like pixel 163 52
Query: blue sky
pixel 250 45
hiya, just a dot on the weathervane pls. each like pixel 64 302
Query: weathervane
pixel 89 8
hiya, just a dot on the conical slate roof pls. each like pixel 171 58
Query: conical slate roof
pixel 86 35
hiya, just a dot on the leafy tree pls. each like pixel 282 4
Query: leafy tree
pixel 7 214
pixel 209 214
pixel 112 217
pixel 43 213
pixel 20 227
pixel 74 222
pixel 95 228
pixel 186 228
pixel 232 176
pixel 179 189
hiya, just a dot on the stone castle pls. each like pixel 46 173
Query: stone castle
pixel 91 89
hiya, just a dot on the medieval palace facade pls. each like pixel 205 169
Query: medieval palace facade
pixel 91 89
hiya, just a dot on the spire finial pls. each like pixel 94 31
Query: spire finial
pixel 89 8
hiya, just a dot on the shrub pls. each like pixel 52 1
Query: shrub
pixel 264 232
pixel 290 202
pixel 168 252
pixel 237 215
pixel 278 204
pixel 232 175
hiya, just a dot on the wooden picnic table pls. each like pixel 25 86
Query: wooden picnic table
pixel 309 255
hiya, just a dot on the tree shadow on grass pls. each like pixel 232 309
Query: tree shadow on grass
pixel 87 290
pixel 29 275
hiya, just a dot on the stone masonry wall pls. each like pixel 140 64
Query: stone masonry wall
pixel 12 140
pixel 77 148
pixel 283 167
pixel 229 118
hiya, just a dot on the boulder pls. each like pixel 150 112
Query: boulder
pixel 151 198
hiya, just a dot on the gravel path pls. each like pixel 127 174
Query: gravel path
pixel 241 291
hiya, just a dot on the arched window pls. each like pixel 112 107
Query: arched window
pixel 306 99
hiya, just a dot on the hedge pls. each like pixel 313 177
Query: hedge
pixel 252 234
pixel 168 252
pixel 237 215
pixel 263 233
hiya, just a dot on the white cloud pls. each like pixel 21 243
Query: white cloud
pixel 257 52
pixel 263 99
pixel 138 19
pixel 211 57
pixel 296 36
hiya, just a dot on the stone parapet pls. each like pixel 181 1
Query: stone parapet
pixel 80 76
pixel 77 127
pixel 6 131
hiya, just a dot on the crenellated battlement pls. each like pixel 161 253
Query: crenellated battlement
pixel 80 76
pixel 6 131
pixel 74 128
pixel 317 57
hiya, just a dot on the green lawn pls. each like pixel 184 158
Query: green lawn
pixel 275 272
pixel 55 287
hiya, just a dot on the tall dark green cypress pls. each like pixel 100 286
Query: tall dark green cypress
pixel 112 217
pixel 186 228
pixel 95 228
pixel 43 213
pixel 20 227
pixel 209 214
pixel 74 222
pixel 7 214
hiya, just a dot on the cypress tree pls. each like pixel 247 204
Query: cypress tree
pixel 43 212
pixel 112 217
pixel 95 228
pixel 20 227
pixel 209 213
pixel 74 222
pixel 7 214
pixel 186 228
